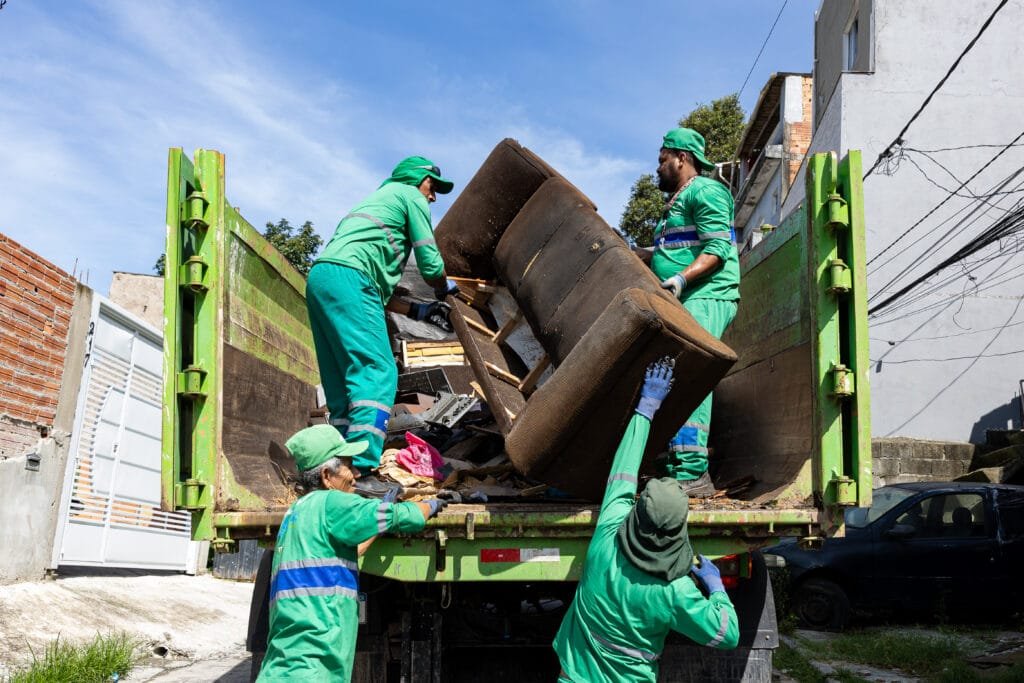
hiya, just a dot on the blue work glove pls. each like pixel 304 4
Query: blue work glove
pixel 675 284
pixel 434 312
pixel 657 384
pixel 449 289
pixel 436 505
pixel 708 575
pixel 392 495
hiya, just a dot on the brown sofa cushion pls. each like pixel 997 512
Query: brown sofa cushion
pixel 569 430
pixel 470 230
pixel 563 264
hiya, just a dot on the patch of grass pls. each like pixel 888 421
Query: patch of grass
pixel 915 653
pixel 93 662
pixel 794 664
pixel 845 676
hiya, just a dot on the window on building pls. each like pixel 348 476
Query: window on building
pixel 851 46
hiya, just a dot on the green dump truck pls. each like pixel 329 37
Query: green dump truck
pixel 479 594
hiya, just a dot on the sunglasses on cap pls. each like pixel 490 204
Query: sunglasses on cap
pixel 433 169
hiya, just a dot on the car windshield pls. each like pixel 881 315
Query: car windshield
pixel 882 500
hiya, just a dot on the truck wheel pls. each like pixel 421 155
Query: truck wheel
pixel 822 605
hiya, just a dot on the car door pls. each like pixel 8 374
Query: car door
pixel 1009 510
pixel 935 562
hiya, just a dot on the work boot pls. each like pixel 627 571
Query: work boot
pixel 700 487
pixel 369 486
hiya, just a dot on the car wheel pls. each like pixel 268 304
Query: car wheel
pixel 821 604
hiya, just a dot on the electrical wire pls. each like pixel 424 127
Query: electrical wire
pixel 765 43
pixel 898 140
pixel 944 360
pixel 949 196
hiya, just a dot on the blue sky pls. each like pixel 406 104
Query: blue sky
pixel 314 102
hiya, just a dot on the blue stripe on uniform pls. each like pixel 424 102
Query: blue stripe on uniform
pixel 313 577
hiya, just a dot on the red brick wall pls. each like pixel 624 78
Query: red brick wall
pixel 797 138
pixel 35 311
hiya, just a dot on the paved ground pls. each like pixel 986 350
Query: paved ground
pixel 182 618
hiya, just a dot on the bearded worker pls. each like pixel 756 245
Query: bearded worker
pixel 348 289
pixel 695 257
pixel 638 581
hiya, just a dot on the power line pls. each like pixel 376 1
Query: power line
pixel 943 360
pixel 766 39
pixel 898 141
pixel 949 196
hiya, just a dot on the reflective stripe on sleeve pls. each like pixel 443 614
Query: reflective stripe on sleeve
pixel 622 477
pixel 379 223
pixel 382 517
pixel 422 243
pixel 717 235
pixel 722 628
pixel 629 651
pixel 688 448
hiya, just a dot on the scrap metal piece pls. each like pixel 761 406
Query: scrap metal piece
pixel 448 409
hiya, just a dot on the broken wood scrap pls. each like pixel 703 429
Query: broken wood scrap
pixel 530 381
pixel 503 375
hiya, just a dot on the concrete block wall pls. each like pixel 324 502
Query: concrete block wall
pixel 36 299
pixel 898 460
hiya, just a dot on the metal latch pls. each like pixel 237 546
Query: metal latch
pixel 440 550
pixel 838 212
pixel 846 490
pixel 842 381
pixel 223 542
pixel 193 210
pixel 193 274
pixel 190 382
pixel 188 493
pixel 839 277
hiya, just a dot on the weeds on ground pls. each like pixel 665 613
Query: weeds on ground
pixel 106 657
pixel 799 668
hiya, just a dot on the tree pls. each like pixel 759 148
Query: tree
pixel 721 123
pixel 299 248
pixel 643 210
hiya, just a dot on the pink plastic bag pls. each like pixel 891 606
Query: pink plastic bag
pixel 420 458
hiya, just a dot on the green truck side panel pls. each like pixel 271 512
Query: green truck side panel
pixel 227 287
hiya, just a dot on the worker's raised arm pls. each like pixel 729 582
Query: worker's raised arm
pixel 351 520
pixel 421 237
pixel 622 480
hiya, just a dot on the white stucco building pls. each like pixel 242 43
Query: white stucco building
pixel 948 356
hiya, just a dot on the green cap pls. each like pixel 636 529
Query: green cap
pixel 316 445
pixel 412 171
pixel 688 140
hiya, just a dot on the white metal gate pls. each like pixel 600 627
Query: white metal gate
pixel 110 512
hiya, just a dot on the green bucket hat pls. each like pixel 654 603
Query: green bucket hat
pixel 316 445
pixel 690 141
pixel 653 536
pixel 412 171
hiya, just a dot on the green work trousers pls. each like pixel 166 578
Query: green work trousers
pixel 353 351
pixel 688 449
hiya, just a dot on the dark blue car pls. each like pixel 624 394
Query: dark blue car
pixel 923 547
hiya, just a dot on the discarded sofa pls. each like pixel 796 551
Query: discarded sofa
pixel 597 310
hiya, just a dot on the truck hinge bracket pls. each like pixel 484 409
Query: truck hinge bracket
pixel 188 493
pixel 842 381
pixel 845 490
pixel 191 382
pixel 470 526
pixel 839 281
pixel 193 274
pixel 838 212
pixel 193 211
pixel 223 542
pixel 440 550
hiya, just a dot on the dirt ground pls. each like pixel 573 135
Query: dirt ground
pixel 178 620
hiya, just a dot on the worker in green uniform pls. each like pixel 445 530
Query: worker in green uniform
pixel 695 257
pixel 350 286
pixel 314 608
pixel 638 579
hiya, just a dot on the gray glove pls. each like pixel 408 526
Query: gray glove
pixel 436 505
pixel 675 284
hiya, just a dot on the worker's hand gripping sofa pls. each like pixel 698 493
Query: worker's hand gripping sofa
pixel 597 310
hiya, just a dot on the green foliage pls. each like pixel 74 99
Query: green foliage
pixel 920 654
pixel 721 123
pixel 161 265
pixel 643 210
pixel 93 662
pixel 298 247
pixel 794 664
